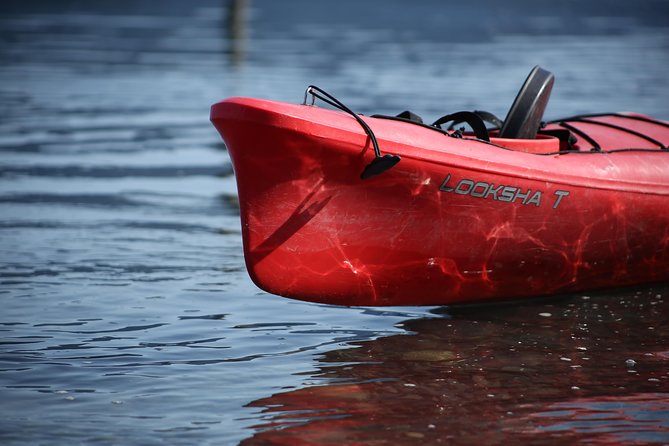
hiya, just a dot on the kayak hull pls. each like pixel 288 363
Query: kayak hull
pixel 456 221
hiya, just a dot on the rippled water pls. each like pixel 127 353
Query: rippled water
pixel 126 313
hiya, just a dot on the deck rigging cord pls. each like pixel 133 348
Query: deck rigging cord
pixel 477 119
pixel 380 163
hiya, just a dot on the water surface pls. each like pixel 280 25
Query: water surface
pixel 127 314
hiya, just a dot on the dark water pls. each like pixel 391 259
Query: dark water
pixel 126 315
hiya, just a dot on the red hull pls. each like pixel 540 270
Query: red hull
pixel 456 221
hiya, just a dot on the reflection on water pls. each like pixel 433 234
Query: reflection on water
pixel 579 369
pixel 127 316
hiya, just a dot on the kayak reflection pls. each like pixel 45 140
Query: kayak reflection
pixel 580 368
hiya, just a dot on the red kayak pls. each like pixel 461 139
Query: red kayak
pixel 346 209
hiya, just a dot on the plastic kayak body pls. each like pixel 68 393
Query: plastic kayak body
pixel 458 220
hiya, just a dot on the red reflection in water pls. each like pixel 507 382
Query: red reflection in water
pixel 538 374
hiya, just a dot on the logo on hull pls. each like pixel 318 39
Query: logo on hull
pixel 501 192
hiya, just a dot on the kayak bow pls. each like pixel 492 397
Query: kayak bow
pixel 578 204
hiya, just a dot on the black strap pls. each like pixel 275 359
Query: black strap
pixel 471 118
pixel 563 135
pixel 411 116
pixel 485 116
pixel 405 116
